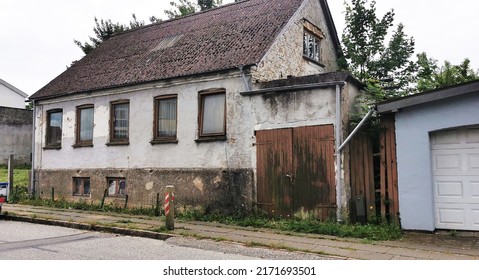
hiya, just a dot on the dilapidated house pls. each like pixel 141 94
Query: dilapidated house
pixel 237 107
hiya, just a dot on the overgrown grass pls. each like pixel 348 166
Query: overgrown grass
pixel 370 232
pixel 20 175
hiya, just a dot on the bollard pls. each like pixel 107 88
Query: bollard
pixel 157 209
pixel 170 207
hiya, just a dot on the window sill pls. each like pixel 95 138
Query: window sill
pixel 81 195
pixel 164 141
pixel 211 139
pixel 118 143
pixel 313 61
pixel 52 148
pixel 82 145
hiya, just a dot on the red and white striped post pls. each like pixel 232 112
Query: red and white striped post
pixel 170 207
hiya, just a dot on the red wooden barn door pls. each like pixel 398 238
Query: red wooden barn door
pixel 295 171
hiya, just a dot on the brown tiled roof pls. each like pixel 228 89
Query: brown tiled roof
pixel 227 37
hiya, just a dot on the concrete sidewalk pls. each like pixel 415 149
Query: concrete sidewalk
pixel 413 246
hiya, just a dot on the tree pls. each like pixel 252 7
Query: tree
pixel 431 76
pixel 186 7
pixel 105 29
pixel 385 67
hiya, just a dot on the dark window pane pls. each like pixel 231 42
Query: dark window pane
pixel 86 186
pixel 55 128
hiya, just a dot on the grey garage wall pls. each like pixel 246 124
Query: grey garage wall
pixel 413 126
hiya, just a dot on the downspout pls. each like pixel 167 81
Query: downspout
pixel 32 176
pixel 356 129
pixel 246 83
pixel 338 127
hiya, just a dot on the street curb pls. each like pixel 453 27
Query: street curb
pixel 90 227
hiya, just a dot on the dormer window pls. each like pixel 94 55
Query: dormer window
pixel 311 46
pixel 312 36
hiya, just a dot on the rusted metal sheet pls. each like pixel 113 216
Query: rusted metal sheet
pixel 295 169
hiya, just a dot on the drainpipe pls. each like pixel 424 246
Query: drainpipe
pixel 246 83
pixel 32 179
pixel 356 129
pixel 338 127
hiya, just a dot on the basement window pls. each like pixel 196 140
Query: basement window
pixel 116 187
pixel 81 186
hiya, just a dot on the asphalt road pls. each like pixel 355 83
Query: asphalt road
pixel 24 241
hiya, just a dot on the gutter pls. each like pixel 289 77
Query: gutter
pixel 291 88
pixel 32 177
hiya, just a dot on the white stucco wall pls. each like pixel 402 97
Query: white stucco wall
pixel 10 98
pixel 140 153
pixel 413 125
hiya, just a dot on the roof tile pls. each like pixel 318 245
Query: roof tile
pixel 223 38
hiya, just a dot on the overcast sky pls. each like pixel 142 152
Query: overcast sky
pixel 37 35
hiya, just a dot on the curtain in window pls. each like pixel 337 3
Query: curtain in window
pixel 214 114
pixel 167 117
pixel 121 121
pixel 86 124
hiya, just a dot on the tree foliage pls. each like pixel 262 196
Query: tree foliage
pixel 376 56
pixel 431 76
pixel 185 7
pixel 105 29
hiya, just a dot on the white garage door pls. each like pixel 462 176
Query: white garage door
pixel 455 160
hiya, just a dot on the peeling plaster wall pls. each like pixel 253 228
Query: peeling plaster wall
pixel 211 190
pixel 213 174
pixel 307 108
pixel 285 57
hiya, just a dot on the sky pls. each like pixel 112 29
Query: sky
pixel 37 35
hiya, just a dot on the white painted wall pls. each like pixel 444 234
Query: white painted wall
pixel 140 153
pixel 11 98
pixel 413 125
